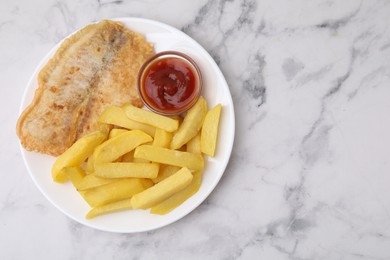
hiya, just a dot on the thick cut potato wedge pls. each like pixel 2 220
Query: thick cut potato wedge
pixel 171 157
pixel 118 190
pixel 91 181
pixel 126 170
pixel 116 116
pixel 109 208
pixel 117 146
pixel 77 154
pixel 177 199
pixel 116 132
pixel 150 118
pixel 191 124
pixel 165 171
pixel 105 129
pixel 75 174
pixel 162 138
pixel 208 138
pixel 193 146
pixel 162 190
pixel 113 133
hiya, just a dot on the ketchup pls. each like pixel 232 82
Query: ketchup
pixel 170 84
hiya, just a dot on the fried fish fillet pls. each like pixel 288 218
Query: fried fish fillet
pixel 94 68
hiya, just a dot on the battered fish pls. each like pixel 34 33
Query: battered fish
pixel 94 68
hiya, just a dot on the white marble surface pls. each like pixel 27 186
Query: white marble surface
pixel 309 176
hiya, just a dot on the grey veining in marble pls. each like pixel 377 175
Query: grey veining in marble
pixel 309 175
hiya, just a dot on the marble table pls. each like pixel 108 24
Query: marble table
pixel 309 176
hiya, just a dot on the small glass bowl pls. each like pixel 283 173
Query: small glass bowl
pixel 170 55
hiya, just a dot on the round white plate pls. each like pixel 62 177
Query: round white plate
pixel 215 90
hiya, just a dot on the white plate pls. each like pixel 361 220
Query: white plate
pixel 215 90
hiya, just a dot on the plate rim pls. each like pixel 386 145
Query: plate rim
pixel 225 160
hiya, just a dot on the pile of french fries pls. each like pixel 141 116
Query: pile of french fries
pixel 140 160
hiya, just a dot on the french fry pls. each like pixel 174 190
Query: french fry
pixel 209 135
pixel 193 146
pixel 91 181
pixel 75 174
pixel 150 118
pixel 91 162
pixel 162 138
pixel 113 133
pixel 118 190
pixel 116 132
pixel 126 170
pixel 116 116
pixel 171 157
pixel 162 190
pixel 132 170
pixel 164 172
pixel 191 124
pixel 178 198
pixel 109 208
pixel 77 154
pixel 117 146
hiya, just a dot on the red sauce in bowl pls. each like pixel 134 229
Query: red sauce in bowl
pixel 169 83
